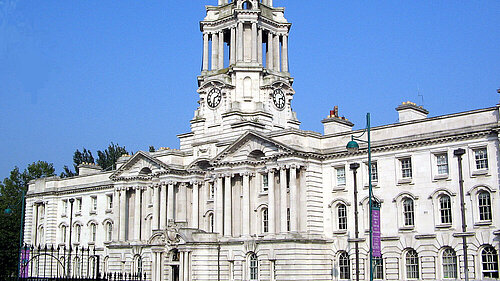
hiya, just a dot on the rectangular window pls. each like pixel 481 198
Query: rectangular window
pixel 340 175
pixel 342 214
pixel 288 219
pixel 442 164
pixel 378 268
pixel 408 213
pixel 374 171
pixel 265 183
pixel 109 199
pixel 406 172
pixel 78 202
pixel 445 209
pixel 64 211
pixel 481 156
pixel 93 201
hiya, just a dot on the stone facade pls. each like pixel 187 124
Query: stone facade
pixel 250 196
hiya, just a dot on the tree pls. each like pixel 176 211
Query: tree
pixel 11 190
pixel 152 148
pixel 107 159
pixel 78 158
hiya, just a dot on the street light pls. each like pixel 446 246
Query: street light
pixel 71 201
pixel 353 146
pixel 9 211
pixel 354 167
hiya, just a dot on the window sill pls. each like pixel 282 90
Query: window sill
pixel 63 216
pixel 441 177
pixel 482 223
pixel 77 214
pixel 405 181
pixel 210 200
pixel 339 188
pixel 91 243
pixel 109 211
pixel 263 193
pixel 444 225
pixel 93 212
pixel 374 185
pixel 339 232
pixel 480 172
pixel 406 228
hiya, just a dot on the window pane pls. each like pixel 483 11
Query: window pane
pixel 344 266
pixel 254 267
pixel 442 164
pixel 406 168
pixel 449 263
pixel 481 156
pixel 342 216
pixel 484 206
pixel 408 212
pixel 412 264
pixel 489 260
pixel 340 176
pixel 374 171
pixel 378 269
pixel 445 209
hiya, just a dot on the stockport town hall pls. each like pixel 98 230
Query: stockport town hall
pixel 250 196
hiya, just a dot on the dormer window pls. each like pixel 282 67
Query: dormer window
pixel 145 171
pixel 247 5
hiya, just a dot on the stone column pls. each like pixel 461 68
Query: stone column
pixel 232 55
pixel 259 46
pixel 221 50
pixel 219 223
pixel 170 205
pixel 254 42
pixel 215 52
pixel 283 201
pixel 195 211
pixel 181 266
pixel 163 207
pixel 245 218
pixel 284 54
pixel 271 203
pixel 270 3
pixel 34 222
pixel 186 266
pixel 205 51
pixel 227 206
pixel 123 207
pixel 156 207
pixel 276 52
pixel 270 50
pixel 116 213
pixel 182 203
pixel 239 38
pixel 293 198
pixel 137 214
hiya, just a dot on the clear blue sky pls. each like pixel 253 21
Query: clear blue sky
pixel 79 74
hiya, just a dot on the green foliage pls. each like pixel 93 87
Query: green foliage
pixel 152 148
pixel 11 190
pixel 107 158
pixel 78 158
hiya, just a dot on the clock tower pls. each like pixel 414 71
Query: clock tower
pixel 245 82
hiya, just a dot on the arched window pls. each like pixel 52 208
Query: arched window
pixel 145 171
pixel 63 233
pixel 342 216
pixel 445 209
pixel 378 268
pixel 210 222
pixel 247 5
pixel 138 265
pixel 265 220
pixel 253 264
pixel 489 260
pixel 109 231
pixel 484 203
pixel 449 263
pixel 411 260
pixel 93 232
pixel 106 264
pixel 408 212
pixel 344 265
pixel 78 233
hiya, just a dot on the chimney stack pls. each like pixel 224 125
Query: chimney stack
pixel 88 169
pixel 409 111
pixel 334 124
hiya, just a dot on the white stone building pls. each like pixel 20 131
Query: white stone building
pixel 250 196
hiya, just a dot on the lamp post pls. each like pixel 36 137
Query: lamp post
pixel 353 146
pixel 8 211
pixel 354 167
pixel 71 201
pixel 459 153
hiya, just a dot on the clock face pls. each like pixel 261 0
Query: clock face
pixel 279 98
pixel 214 97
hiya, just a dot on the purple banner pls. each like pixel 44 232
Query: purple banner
pixel 376 245
pixel 25 257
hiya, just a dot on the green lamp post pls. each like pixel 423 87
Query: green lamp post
pixel 353 146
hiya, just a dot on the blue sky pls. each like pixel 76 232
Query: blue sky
pixel 79 74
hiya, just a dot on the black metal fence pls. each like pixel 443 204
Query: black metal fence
pixel 49 263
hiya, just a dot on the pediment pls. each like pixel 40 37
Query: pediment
pixel 247 147
pixel 141 161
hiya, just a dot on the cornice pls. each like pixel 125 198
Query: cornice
pixel 70 191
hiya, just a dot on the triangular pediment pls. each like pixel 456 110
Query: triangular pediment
pixel 244 148
pixel 136 166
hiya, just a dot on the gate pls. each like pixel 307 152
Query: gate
pixel 49 263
